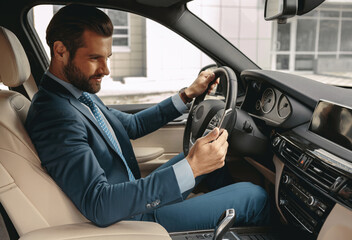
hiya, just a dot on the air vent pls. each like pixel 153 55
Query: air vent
pixel 325 176
pixel 290 152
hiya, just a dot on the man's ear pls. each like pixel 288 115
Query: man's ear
pixel 60 52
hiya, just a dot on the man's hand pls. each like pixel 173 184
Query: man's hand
pixel 208 153
pixel 201 84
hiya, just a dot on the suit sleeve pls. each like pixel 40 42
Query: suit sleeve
pixel 146 121
pixel 61 140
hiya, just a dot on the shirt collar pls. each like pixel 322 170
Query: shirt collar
pixel 72 89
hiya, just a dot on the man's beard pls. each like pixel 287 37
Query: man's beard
pixel 77 78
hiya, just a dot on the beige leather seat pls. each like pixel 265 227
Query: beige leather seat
pixel 36 206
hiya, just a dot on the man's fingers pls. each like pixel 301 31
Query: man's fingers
pixel 211 88
pixel 211 77
pixel 211 136
pixel 223 135
pixel 224 147
pixel 207 72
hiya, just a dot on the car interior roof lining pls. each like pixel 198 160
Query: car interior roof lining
pixel 161 3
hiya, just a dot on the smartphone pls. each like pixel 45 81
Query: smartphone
pixel 222 121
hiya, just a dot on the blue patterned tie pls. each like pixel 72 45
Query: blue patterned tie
pixel 87 100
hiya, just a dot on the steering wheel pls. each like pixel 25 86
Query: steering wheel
pixel 205 115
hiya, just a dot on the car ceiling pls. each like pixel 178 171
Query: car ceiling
pixel 162 3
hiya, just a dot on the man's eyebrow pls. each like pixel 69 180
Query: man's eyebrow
pixel 94 55
pixel 99 55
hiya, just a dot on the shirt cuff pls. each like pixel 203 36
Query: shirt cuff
pixel 179 104
pixel 184 175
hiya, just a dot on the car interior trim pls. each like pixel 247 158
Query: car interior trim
pixel 323 143
pixel 332 160
pixel 17 205
pixel 268 174
pixel 279 167
pixel 337 224
pixel 145 154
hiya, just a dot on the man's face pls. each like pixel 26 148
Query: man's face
pixel 89 65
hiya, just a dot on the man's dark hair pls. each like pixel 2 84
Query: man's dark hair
pixel 69 23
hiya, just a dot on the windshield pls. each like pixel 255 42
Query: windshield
pixel 317 45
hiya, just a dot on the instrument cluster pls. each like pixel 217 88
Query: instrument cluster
pixel 267 103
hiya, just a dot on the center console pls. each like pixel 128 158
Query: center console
pixel 301 203
pixel 311 183
pixel 242 233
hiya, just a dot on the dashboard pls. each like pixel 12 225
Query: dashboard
pixel 314 154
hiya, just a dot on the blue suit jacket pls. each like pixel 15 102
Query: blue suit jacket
pixel 80 158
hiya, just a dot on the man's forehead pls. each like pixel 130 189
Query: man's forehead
pixel 96 43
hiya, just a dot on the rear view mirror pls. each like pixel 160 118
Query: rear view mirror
pixel 280 9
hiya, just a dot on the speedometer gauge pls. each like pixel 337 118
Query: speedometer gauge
pixel 284 108
pixel 268 100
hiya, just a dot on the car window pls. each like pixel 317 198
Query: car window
pixel 149 62
pixel 317 45
pixel 2 86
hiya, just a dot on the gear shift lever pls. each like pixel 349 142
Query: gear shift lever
pixel 225 222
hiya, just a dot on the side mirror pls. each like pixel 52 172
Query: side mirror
pixel 280 9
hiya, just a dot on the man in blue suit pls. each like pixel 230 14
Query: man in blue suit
pixel 85 146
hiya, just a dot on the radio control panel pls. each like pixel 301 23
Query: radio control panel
pixel 301 203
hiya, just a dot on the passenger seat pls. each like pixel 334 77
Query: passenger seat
pixel 37 207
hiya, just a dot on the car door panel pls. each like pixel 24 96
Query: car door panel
pixel 169 139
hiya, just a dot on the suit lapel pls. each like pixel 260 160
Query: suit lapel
pixel 126 147
pixel 126 150
pixel 55 87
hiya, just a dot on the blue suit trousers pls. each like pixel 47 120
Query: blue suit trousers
pixel 202 212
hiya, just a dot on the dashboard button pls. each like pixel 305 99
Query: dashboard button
pixel 286 179
pixel 276 141
pixel 311 201
pixel 319 213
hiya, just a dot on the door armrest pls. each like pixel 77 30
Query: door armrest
pixel 145 154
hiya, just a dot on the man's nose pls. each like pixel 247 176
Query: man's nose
pixel 104 69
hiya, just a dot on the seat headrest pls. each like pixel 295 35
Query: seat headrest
pixel 14 64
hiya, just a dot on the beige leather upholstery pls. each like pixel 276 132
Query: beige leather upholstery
pixel 337 225
pixel 121 231
pixel 146 154
pixel 30 197
pixel 14 66
pixel 28 184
